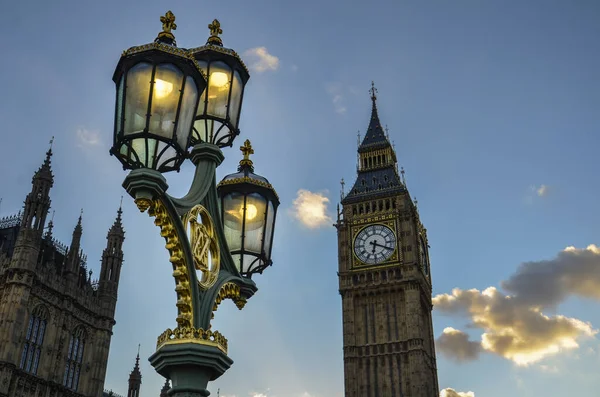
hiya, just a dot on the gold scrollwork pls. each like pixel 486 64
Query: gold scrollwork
pixel 192 335
pixel 205 246
pixel 162 219
pixel 230 291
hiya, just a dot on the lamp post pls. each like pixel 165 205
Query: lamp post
pixel 170 100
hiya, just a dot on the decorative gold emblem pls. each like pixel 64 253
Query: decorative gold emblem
pixel 205 247
pixel 215 31
pixel 168 24
pixel 182 279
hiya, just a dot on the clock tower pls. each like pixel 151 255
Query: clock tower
pixel 384 279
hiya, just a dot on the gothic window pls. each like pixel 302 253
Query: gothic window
pixel 30 357
pixel 74 359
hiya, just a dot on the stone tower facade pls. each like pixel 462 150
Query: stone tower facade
pixel 55 322
pixel 384 279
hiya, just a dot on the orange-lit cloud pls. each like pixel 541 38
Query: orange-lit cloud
pixel 311 209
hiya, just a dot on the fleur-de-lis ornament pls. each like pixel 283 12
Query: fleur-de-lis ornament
pixel 215 31
pixel 168 24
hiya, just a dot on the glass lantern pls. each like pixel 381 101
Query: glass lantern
pixel 218 114
pixel 249 206
pixel 158 89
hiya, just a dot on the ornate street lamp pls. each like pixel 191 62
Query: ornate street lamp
pixel 218 115
pixel 248 208
pixel 158 91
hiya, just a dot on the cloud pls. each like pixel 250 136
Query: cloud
pixel 311 209
pixel 87 137
pixel 535 191
pixel 514 324
pixel 335 90
pixel 513 329
pixel 547 283
pixel 456 345
pixel 294 68
pixel 448 392
pixel 260 60
pixel 541 190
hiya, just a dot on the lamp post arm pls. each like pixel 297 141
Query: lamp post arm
pixel 207 157
pixel 230 284
pixel 148 188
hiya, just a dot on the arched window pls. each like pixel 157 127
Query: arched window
pixel 30 357
pixel 74 359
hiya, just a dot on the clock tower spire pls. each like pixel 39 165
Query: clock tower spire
pixel 384 279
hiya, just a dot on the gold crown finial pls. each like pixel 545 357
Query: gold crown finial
pixel 247 149
pixel 168 24
pixel 215 31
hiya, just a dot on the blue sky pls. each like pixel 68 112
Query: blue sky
pixel 492 106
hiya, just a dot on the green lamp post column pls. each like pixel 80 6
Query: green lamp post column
pixel 162 97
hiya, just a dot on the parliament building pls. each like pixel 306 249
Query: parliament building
pixel 55 321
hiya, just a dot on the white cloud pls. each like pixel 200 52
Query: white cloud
pixel 335 90
pixel 87 137
pixel 294 68
pixel 260 60
pixel 448 392
pixel 535 191
pixel 541 190
pixel 311 209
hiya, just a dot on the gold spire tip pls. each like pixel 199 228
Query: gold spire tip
pixel 215 31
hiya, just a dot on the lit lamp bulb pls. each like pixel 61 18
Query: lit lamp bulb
pixel 162 88
pixel 251 211
pixel 220 81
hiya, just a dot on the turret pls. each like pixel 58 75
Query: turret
pixel 37 202
pixel 164 392
pixel 35 210
pixel 135 378
pixel 74 256
pixel 112 260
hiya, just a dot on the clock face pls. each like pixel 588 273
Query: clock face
pixel 375 244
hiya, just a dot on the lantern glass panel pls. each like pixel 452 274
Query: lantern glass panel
pixel 138 153
pixel 137 95
pixel 187 112
pixel 255 212
pixel 119 110
pixel 232 220
pixel 250 262
pixel 166 91
pixel 219 82
pixel 164 154
pixel 236 99
pixel 269 229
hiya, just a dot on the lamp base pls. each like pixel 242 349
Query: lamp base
pixel 190 366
